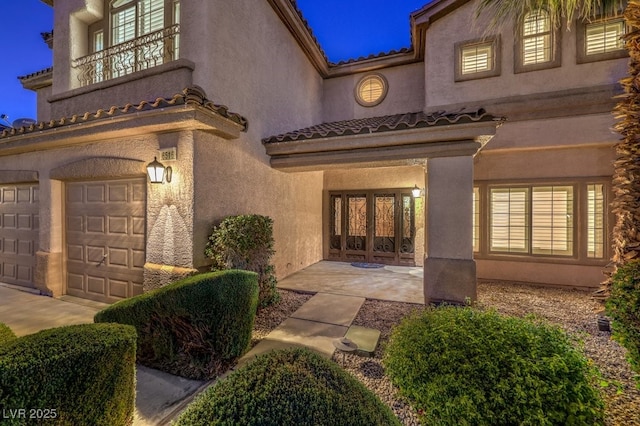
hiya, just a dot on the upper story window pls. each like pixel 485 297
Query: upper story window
pixel 477 59
pixel 601 39
pixel 537 47
pixel 136 35
pixel 371 90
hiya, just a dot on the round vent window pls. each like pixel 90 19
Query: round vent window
pixel 371 90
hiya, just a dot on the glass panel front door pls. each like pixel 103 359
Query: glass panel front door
pixel 372 226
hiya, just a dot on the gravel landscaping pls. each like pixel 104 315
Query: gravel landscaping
pixel 575 311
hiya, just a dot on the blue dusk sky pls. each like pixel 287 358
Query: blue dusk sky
pixel 345 29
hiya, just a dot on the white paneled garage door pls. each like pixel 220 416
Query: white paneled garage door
pixel 105 238
pixel 18 233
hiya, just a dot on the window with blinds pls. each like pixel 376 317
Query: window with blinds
pixel 604 37
pixel 476 219
pixel 476 58
pixel 552 220
pixel 595 221
pixel 509 220
pixel 536 39
pixel 371 90
pixel 542 220
pixel 536 220
pixel 479 58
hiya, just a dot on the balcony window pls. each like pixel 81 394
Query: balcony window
pixel 141 34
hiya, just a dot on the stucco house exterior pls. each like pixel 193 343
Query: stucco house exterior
pixel 507 138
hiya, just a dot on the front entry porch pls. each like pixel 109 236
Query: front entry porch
pixel 395 283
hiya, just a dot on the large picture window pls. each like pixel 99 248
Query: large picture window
pixel 542 220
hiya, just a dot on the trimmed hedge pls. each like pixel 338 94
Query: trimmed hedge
pixel 6 334
pixel 461 366
pixel 74 375
pixel 288 387
pixel 194 327
pixel 246 242
pixel 623 306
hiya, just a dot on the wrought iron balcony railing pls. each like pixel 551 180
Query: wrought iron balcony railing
pixel 138 54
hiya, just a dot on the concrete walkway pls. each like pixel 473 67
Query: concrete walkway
pixel 315 325
pixel 158 395
pixel 395 283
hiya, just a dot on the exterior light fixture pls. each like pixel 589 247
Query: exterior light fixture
pixel 416 192
pixel 157 171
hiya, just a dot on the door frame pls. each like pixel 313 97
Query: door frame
pixel 337 249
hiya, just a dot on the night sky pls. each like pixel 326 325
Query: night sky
pixel 345 29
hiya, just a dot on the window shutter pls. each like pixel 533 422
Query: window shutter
pixel 604 37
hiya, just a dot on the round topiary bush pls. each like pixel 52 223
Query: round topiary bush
pixel 246 242
pixel 462 366
pixel 288 387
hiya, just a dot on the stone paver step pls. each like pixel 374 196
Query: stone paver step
pixel 366 339
pixel 330 308
pixel 315 325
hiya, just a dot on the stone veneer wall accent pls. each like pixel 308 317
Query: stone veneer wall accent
pixel 156 276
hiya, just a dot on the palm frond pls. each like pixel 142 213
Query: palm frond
pixel 501 12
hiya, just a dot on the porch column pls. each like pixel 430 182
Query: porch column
pixel 449 268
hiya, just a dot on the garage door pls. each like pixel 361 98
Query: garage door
pixel 18 233
pixel 105 244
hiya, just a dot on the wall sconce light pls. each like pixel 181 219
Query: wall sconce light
pixel 157 171
pixel 416 192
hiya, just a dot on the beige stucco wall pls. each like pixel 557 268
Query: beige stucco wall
pixel 565 147
pixel 405 94
pixel 229 182
pixel 379 178
pixel 461 26
pixel 255 67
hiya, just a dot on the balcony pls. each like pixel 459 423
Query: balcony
pixel 126 58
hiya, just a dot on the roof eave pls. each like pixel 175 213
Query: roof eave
pixel 291 17
pixel 388 148
pixel 37 80
pixel 167 119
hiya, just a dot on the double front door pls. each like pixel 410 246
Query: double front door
pixel 372 226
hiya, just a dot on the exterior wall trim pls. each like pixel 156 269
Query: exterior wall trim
pixel 583 101
pixel 138 75
pixel 18 176
pixel 99 168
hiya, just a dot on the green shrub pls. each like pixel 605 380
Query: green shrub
pixel 75 375
pixel 461 366
pixel 6 334
pixel 246 242
pixel 194 327
pixel 288 387
pixel 623 306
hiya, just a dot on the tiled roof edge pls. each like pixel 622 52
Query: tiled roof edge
pixel 36 74
pixel 372 56
pixel 309 30
pixel 190 96
pixel 382 124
